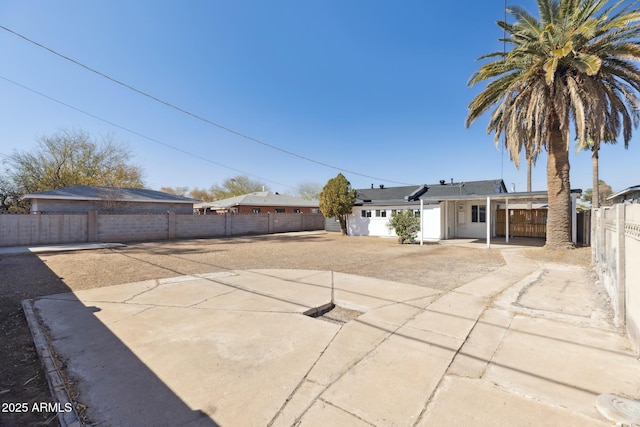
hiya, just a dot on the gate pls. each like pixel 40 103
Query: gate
pixel 523 223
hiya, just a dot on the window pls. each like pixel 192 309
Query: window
pixel 381 213
pixel 255 210
pixel 315 210
pixel 279 210
pixel 416 213
pixel 296 210
pixel 478 213
pixel 365 213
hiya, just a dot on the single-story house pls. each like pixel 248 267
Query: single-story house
pixel 450 210
pixel 84 198
pixel 259 202
pixel 628 195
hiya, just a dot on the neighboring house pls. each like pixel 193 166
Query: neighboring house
pixel 86 198
pixel 259 202
pixel 447 210
pixel 628 195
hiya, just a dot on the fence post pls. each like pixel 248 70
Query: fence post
pixel 171 225
pixel 302 222
pixel 620 266
pixel 227 224
pixel 595 239
pixel 270 223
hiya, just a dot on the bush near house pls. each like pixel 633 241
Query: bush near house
pixel 405 224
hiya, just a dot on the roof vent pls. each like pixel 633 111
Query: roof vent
pixel 442 181
pixel 381 186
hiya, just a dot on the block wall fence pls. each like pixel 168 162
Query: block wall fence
pixel 47 229
pixel 615 248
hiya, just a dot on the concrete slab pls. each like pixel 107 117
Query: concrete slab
pixel 235 349
pixel 453 315
pixel 466 402
pixel 478 350
pixel 564 364
pixel 300 402
pixel 366 293
pixel 11 250
pixel 355 340
pixel 382 391
pixel 184 364
pixel 325 414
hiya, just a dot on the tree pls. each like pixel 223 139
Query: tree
pixel 405 224
pixel 10 196
pixel 308 190
pixel 604 191
pixel 71 157
pixel 574 65
pixel 201 194
pixel 236 186
pixel 337 199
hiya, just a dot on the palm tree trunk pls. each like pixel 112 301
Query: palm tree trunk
pixel 529 162
pixel 559 190
pixel 529 166
pixel 595 192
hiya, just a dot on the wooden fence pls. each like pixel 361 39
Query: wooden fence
pixel 522 223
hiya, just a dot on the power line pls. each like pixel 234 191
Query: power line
pixel 196 116
pixel 138 133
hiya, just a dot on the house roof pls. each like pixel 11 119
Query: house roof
pixel 87 192
pixel 629 190
pixel 260 198
pixel 388 196
pixel 385 195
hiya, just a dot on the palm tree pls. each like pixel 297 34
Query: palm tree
pixel 575 65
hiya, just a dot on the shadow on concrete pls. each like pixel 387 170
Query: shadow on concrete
pixel 151 402
pixel 497 242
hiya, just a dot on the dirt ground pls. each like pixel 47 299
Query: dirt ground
pixel 28 276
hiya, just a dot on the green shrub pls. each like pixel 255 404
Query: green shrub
pixel 406 225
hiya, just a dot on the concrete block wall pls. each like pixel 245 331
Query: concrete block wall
pixel 283 223
pixel 23 230
pixel 128 228
pixel 191 226
pixel 313 222
pixel 615 250
pixel 248 224
pixel 93 226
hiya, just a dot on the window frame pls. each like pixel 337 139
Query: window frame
pixel 479 214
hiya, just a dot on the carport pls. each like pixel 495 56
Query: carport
pixel 449 205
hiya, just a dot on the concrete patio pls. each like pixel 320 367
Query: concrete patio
pixel 527 344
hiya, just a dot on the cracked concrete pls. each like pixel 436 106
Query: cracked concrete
pixel 525 344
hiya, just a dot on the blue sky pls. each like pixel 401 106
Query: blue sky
pixel 374 87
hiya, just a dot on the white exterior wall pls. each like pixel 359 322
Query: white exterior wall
pixel 432 223
pixel 378 226
pixel 463 226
